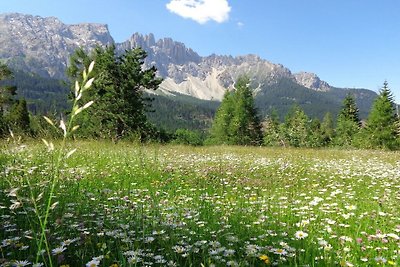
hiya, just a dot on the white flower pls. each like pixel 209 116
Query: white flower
pixel 380 260
pixel 59 250
pixel 350 207
pixel 21 263
pixel 93 263
pixel 300 235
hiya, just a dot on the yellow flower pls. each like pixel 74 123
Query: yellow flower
pixel 265 258
pixel 391 263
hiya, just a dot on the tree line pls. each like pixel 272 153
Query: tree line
pixel 381 130
pixel 121 106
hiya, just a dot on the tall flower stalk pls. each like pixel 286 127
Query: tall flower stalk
pixel 67 129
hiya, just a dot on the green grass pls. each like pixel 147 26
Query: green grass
pixel 155 205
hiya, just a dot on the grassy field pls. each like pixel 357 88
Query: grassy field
pixel 131 205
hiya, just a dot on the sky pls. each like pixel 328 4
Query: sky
pixel 347 43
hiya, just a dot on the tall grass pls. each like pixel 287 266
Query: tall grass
pixel 132 205
pixel 56 156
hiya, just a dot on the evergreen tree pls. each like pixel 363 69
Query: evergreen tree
pixel 236 121
pixel 117 92
pixel 381 128
pixel 6 96
pixel 315 138
pixel 272 133
pixel 18 116
pixel 327 129
pixel 296 127
pixel 220 131
pixel 245 127
pixel 348 122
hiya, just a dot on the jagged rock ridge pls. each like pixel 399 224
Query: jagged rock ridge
pixel 43 46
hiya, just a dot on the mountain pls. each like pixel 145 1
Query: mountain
pixel 42 46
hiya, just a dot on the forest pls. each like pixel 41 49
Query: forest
pixel 125 108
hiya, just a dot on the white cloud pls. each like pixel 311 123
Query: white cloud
pixel 240 24
pixel 201 10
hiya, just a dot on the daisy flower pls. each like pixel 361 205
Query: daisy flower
pixel 300 235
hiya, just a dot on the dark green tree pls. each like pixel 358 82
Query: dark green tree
pixel 296 128
pixel 18 117
pixel 314 133
pixel 187 137
pixel 117 92
pixel 327 129
pixel 272 133
pixel 6 96
pixel 236 121
pixel 245 127
pixel 381 126
pixel 220 131
pixel 348 122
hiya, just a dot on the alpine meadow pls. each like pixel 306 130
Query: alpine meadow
pixel 144 153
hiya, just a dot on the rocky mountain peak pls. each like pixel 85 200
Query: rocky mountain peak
pixel 44 45
pixel 311 81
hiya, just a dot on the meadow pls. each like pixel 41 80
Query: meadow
pixel 128 204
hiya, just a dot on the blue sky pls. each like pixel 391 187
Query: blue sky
pixel 348 43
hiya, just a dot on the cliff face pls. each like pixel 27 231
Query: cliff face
pixel 44 45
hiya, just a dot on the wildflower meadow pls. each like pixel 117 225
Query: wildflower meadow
pixel 129 204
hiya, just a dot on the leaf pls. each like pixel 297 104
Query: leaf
pixel 70 153
pixel 45 142
pixel 13 192
pixel 75 128
pixel 88 84
pixel 77 111
pixel 91 67
pixel 77 88
pixel 63 127
pixel 54 205
pixel 79 96
pixel 49 121
pixel 88 104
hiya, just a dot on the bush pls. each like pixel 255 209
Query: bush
pixel 187 137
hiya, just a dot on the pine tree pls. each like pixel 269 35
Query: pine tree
pixel 236 121
pixel 6 97
pixel 327 129
pixel 18 116
pixel 245 126
pixel 272 133
pixel 117 92
pixel 296 128
pixel 381 128
pixel 348 122
pixel 220 132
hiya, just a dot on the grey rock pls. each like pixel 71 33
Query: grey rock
pixel 44 45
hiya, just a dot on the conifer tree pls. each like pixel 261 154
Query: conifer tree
pixel 327 129
pixel 117 92
pixel 245 126
pixel 296 127
pixel 272 133
pixel 236 121
pixel 6 96
pixel 19 116
pixel 220 131
pixel 348 122
pixel 381 129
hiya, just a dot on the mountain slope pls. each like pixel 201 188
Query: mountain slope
pixel 43 46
